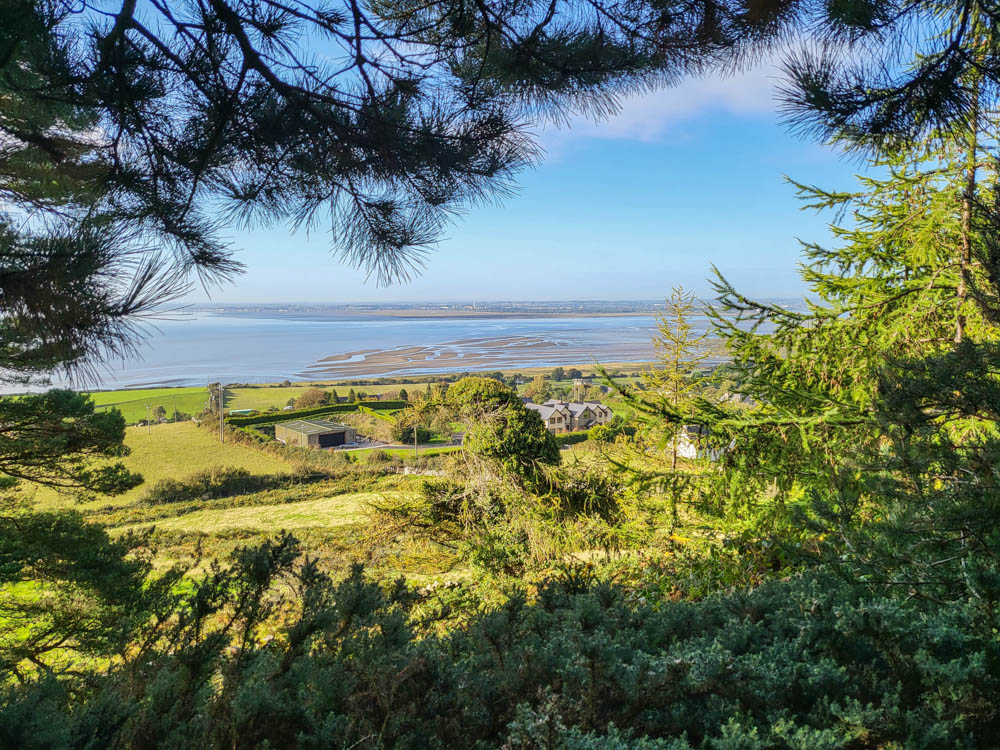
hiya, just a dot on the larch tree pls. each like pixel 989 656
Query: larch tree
pixel 665 408
pixel 679 351
pixel 871 422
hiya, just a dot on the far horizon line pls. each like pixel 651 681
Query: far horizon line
pixel 465 303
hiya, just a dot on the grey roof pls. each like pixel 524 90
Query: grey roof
pixel 575 408
pixel 313 426
pixel 544 410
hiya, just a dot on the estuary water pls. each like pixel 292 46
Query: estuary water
pixel 261 347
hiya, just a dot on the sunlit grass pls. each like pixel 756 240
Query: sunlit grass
pixel 132 403
pixel 174 451
pixel 278 396
pixel 326 513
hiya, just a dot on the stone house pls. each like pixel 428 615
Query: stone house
pixel 571 416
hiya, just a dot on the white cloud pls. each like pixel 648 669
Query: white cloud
pixel 650 116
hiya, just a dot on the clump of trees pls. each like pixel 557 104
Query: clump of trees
pixel 313 397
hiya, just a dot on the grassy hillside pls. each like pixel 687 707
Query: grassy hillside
pixel 326 512
pixel 176 451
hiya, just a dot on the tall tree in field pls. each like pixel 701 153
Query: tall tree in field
pixel 665 408
pixel 538 389
pixel 679 352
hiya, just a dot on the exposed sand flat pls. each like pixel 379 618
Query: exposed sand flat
pixel 348 355
pixel 471 354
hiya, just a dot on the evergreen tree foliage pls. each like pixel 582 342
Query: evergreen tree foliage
pixel 679 352
pixel 870 424
pixel 885 75
pixel 501 429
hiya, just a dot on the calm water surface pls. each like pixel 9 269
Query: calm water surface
pixel 265 347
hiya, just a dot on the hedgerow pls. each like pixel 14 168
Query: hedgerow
pixel 571 438
pixel 285 416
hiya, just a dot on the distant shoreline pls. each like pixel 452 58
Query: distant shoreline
pixel 444 314
pixel 302 343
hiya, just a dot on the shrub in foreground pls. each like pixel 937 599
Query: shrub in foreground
pixel 805 663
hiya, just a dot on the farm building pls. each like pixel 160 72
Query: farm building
pixel 314 433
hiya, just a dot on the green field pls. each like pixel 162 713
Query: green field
pixel 265 397
pixel 132 403
pixel 175 451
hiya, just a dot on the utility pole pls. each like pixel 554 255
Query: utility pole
pixel 222 399
pixel 147 420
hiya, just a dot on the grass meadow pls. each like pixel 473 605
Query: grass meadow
pixel 265 397
pixel 332 517
pixel 132 403
pixel 174 451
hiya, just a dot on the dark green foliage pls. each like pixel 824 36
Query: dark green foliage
pixel 67 589
pixel 55 437
pixel 515 438
pixel 807 663
pixel 404 434
pixel 608 432
pixel 572 438
pixel 583 492
pixel 480 395
pixel 940 78
pixel 500 429
pixel 936 534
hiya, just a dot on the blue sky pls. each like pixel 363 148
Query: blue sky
pixel 621 209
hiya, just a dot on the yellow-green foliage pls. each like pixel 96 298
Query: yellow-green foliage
pixel 325 512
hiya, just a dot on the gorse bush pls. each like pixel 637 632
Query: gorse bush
pixel 378 456
pixel 807 663
pixel 220 482
pixel 404 434
pixel 572 438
